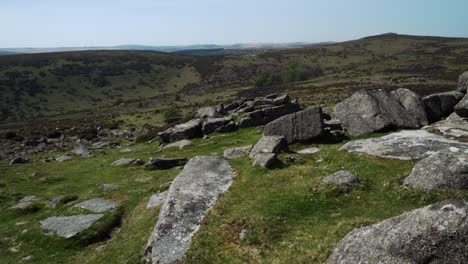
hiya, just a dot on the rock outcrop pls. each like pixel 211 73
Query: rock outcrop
pixel 188 130
pixel 433 234
pixel 299 126
pixel 165 163
pixel 192 193
pixel 440 171
pixel 405 145
pixel 463 82
pixel 269 144
pixel 69 226
pixel 216 124
pixel 441 104
pixel 266 160
pixel 462 107
pixel 265 115
pixel 341 178
pixel 237 152
pixel 380 110
pixel 97 205
pixel 156 200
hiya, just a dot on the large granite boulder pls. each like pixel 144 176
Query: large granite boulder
pixel 441 104
pixel 266 160
pixel 299 126
pixel 188 130
pixel 165 163
pixel 192 193
pixel 264 116
pixel 433 234
pixel 69 226
pixel 366 112
pixel 463 82
pixel 440 171
pixel 269 144
pixel 405 145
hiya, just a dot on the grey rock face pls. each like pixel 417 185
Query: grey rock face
pixel 208 112
pixel 441 104
pixel 98 205
pixel 454 126
pixel 366 112
pixel 229 127
pixel 156 200
pixel 69 226
pixel 178 144
pixel 333 124
pixel 212 124
pixel 440 171
pixel 341 178
pixel 25 202
pixel 63 158
pixel 165 163
pixel 188 130
pixel 266 115
pixel 433 234
pixel 269 144
pixel 18 160
pixel 266 160
pixel 128 162
pixel 462 107
pixel 405 145
pixel 81 150
pixel 283 99
pixel 463 82
pixel 299 126
pixel 192 193
pixel 308 151
pixel 237 152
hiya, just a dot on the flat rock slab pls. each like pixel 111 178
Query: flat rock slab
pixel 237 152
pixel 156 200
pixel 405 145
pixel 266 160
pixel 308 151
pixel 97 205
pixel 63 158
pixel 128 162
pixel 269 144
pixel 178 144
pixel 433 234
pixel 454 126
pixel 341 178
pixel 192 193
pixel 69 226
pixel 25 202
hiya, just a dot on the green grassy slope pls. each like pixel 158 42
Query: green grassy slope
pixel 69 83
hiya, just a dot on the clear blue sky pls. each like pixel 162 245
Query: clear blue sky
pixel 53 23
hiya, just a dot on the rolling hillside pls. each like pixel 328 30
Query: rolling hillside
pixel 53 85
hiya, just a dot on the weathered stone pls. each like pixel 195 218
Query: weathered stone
pixel 63 158
pixel 165 163
pixel 237 152
pixel 156 200
pixel 433 234
pixel 178 144
pixel 208 112
pixel 454 126
pixel 69 226
pixel 98 205
pixel 341 177
pixel 53 202
pixel 81 150
pixel 212 124
pixel 463 82
pixel 18 160
pixel 266 160
pixel 229 127
pixel 264 116
pixel 299 126
pixel 366 112
pixel 25 202
pixel 192 193
pixel 462 107
pixel 128 162
pixel 105 144
pixel 283 99
pixel 404 145
pixel 333 124
pixel 269 144
pixel 308 151
pixel 440 171
pixel 188 130
pixel 441 104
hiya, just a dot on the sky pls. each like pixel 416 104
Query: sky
pixel 74 23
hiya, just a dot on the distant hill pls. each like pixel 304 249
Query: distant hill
pixel 68 83
pixel 7 53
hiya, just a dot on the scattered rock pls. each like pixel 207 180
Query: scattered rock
pixel 212 124
pixel 299 126
pixel 63 158
pixel 25 202
pixel 229 127
pixel 433 234
pixel 193 192
pixel 165 163
pixel 128 162
pixel 18 160
pixel 156 200
pixel 53 202
pixel 441 104
pixel 266 160
pixel 269 144
pixel 308 151
pixel 109 187
pixel 463 82
pixel 404 145
pixel 178 144
pixel 264 116
pixel 237 152
pixel 104 145
pixel 97 205
pixel 454 126
pixel 69 226
pixel 440 171
pixel 81 150
pixel 188 130
pixel 208 112
pixel 380 110
pixel 341 177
